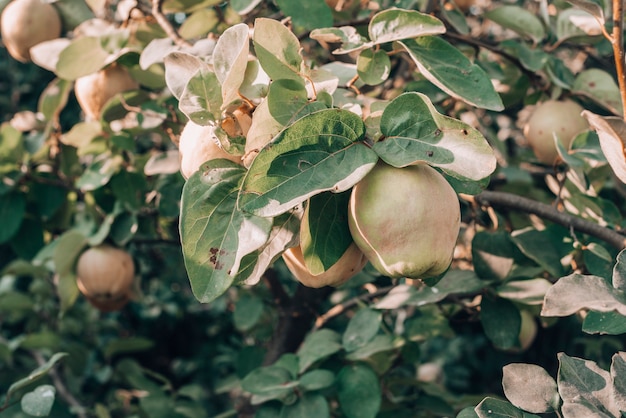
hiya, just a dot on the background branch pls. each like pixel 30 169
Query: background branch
pixel 512 201
pixel 157 12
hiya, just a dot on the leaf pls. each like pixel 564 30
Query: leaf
pixel 619 271
pixel 271 382
pixel 244 7
pixel 324 232
pixel 362 327
pixel 373 67
pixel 496 408
pixel 317 346
pixel 317 379
pixel 277 49
pixel 308 405
pixel 358 391
pixel 248 310
pixel 611 132
pixel 35 375
pixel 492 253
pixel 501 321
pixel 519 20
pixel 530 388
pixel 573 24
pixel 307 14
pixel 126 345
pixel 215 235
pixel 351 40
pixel 319 152
pixel 618 374
pixel 580 379
pixel 590 7
pixel 414 131
pixel 82 57
pixel 610 323
pixel 180 68
pixel 99 172
pixel 396 24
pixel 528 292
pixel 54 98
pixel 199 23
pixel 599 86
pixel 38 403
pixel 542 247
pixel 286 97
pixel 379 344
pixel 576 291
pixel 447 68
pixel 230 59
pixel 68 248
pixel 12 211
pixel 201 99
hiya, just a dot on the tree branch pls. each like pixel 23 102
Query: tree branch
pixel 157 12
pixel 617 41
pixel 508 200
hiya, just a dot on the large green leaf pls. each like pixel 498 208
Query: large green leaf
pixel 35 375
pixel 414 131
pixel 396 24
pixel 362 327
pixel 606 323
pixel 215 235
pixel 358 391
pixel 317 346
pixel 530 388
pixel 54 98
pixel 201 99
pixel 277 49
pixel 38 403
pixel 320 152
pixel 519 20
pixel 308 405
pixel 497 408
pixel 286 97
pixel 373 67
pixel 501 321
pixel 447 68
pixel 12 211
pixel 324 234
pixel 307 14
pixel 230 58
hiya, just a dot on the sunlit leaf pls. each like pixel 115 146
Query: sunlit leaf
pixel 54 98
pixel 612 133
pixel 180 67
pixel 496 408
pixel 229 60
pixel 373 66
pixel 277 49
pixel 351 40
pixel 285 98
pixel 396 24
pixel 451 71
pixel 319 152
pixel 414 131
pixel 201 99
pixel 530 388
pixel 519 20
pixel 38 403
pixel 599 86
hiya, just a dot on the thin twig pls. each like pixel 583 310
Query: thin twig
pixel 512 201
pixel 342 307
pixel 62 390
pixel 617 41
pixel 157 12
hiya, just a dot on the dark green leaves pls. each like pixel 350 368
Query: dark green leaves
pixel 320 152
pixel 358 391
pixel 414 131
pixel 215 235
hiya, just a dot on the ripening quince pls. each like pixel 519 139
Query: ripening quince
pixel 405 220
pixel 349 264
pixel 553 117
pixel 198 144
pixel 93 91
pixel 26 23
pixel 105 274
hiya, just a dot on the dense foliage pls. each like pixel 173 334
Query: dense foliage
pixel 157 160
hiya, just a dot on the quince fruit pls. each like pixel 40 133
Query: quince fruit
pixel 405 220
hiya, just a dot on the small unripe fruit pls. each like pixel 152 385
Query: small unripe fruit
pixel 105 274
pixel 26 23
pixel 553 117
pixel 93 91
pixel 349 264
pixel 197 145
pixel 405 220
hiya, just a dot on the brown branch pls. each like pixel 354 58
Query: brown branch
pixel 512 201
pixel 342 307
pixel 617 41
pixel 62 390
pixel 157 12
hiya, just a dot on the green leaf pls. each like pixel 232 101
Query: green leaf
pixel 180 68
pixel 351 40
pixel 492 253
pixel 496 408
pixel 215 235
pixel 317 379
pixel 543 247
pixel 447 68
pixel 363 326
pixel 577 26
pixel 320 152
pixel 396 24
pixel 38 403
pixel 528 292
pixel 12 211
pixel 127 345
pixel 610 130
pixel 271 382
pixel 608 323
pixel 501 321
pixel 54 98
pixel 324 232
pixel 244 6
pixel 307 14
pixel 317 346
pixel 358 390
pixel 414 131
pixel 373 67
pixel 426 325
pixel 532 59
pixel 618 374
pixel 230 59
pixel 201 100
pixel 576 291
pixel 286 97
pixel 199 23
pixel 248 310
pixel 277 49
pixel 309 405
pixel 379 344
pixel 519 20
pixel 35 375
pixel 82 57
pixel 99 172
pixel 582 380
pixel 530 388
